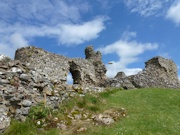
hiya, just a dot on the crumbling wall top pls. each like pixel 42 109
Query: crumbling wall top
pixel 55 66
pixel 91 54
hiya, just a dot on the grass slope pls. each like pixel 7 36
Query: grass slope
pixel 150 112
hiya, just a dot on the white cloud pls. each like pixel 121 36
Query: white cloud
pixel 147 7
pixel 127 52
pixel 18 41
pixel 173 12
pixel 76 34
pixel 50 12
pixel 128 35
pixel 128 49
pixel 116 66
pixel 21 21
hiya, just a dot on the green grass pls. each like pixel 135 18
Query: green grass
pixel 28 128
pixel 19 128
pixel 149 112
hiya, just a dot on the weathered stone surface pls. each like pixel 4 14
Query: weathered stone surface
pixel 25 77
pixel 4 58
pixel 39 76
pixel 29 87
pixel 120 75
pixel 4 122
pixel 158 72
pixel 120 81
pixel 26 103
pixel 83 72
pixel 103 119
pixel 96 59
pixel 56 67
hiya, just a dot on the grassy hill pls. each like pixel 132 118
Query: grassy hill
pixel 148 112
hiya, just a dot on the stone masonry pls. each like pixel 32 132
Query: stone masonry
pixel 56 67
pixel 22 86
pixel 37 76
pixel 96 59
pixel 84 71
pixel 158 73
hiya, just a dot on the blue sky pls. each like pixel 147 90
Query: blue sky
pixel 127 32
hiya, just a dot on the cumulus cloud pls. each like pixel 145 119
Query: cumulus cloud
pixel 24 20
pixel 147 7
pixel 76 34
pixel 173 12
pixel 15 36
pixel 127 52
pixel 18 41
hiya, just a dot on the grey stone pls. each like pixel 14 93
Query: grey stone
pixel 103 119
pixel 18 111
pixel 25 111
pixel 25 77
pixel 100 69
pixel 56 67
pixel 4 81
pixel 26 103
pixel 52 98
pixel 22 86
pixel 16 70
pixel 2 109
pixel 120 75
pixel 120 81
pixel 158 72
pixel 4 122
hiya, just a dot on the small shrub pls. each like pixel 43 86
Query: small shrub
pixel 38 112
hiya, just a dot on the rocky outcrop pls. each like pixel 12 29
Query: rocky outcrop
pixel 89 71
pixel 158 72
pixel 120 81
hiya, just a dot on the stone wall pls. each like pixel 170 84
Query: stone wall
pixel 22 86
pixel 158 73
pixel 82 71
pixel 96 59
pixel 56 67
pixel 89 71
pixel 120 81
pixel 37 76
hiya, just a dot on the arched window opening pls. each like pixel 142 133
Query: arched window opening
pixel 69 78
